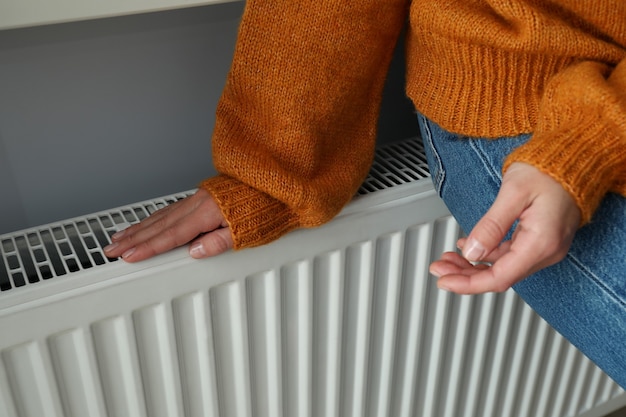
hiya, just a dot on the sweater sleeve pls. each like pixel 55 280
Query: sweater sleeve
pixel 295 126
pixel 580 138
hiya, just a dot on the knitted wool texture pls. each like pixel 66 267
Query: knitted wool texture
pixel 295 128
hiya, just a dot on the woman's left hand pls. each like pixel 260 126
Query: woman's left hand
pixel 548 220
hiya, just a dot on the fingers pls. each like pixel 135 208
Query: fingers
pixel 529 251
pixel 512 266
pixel 160 220
pixel 547 220
pixel 494 225
pixel 175 226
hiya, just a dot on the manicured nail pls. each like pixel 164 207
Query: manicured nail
pixel 197 250
pixel 118 235
pixel 434 272
pixel 111 247
pixel 128 253
pixel 473 250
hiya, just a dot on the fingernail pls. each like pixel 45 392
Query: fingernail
pixel 118 235
pixel 434 272
pixel 473 250
pixel 128 253
pixel 443 286
pixel 197 250
pixel 111 247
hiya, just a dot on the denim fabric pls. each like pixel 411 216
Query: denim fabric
pixel 584 296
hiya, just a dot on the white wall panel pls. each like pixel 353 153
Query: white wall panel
pixel 24 13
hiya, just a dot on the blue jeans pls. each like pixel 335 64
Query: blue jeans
pixel 584 296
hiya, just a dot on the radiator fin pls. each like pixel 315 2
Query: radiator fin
pixel 415 294
pixel 264 301
pixel 296 302
pixel 79 382
pixel 155 344
pixel 328 301
pixel 359 284
pixel 384 306
pixel 118 363
pixel 197 355
pixel 230 328
pixel 31 381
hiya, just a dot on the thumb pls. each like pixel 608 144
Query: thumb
pixel 493 227
pixel 212 243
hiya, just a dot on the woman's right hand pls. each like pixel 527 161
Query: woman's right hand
pixel 195 219
pixel 548 219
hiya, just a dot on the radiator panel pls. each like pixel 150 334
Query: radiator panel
pixel 342 320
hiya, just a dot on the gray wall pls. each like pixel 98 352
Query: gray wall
pixel 103 113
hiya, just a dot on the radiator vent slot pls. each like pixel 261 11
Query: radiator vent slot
pixel 58 249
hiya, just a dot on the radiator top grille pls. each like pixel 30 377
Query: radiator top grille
pixel 63 248
pixel 57 249
pixel 395 164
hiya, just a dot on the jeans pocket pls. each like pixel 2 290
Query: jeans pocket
pixel 437 171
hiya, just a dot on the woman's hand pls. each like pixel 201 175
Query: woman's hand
pixel 196 218
pixel 548 219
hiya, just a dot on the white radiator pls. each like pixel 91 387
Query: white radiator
pixel 343 320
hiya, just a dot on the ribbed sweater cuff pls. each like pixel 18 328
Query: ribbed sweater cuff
pixel 585 168
pixel 254 217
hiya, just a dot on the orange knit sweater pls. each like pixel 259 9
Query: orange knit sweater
pixel 295 129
